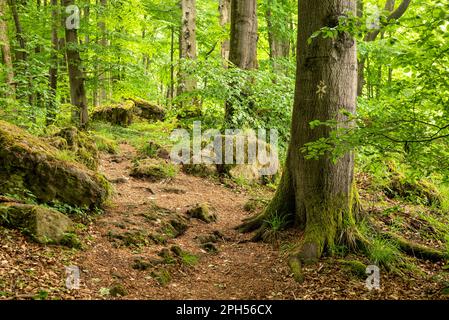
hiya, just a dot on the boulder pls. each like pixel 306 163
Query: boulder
pixel 43 225
pixel 148 110
pixel 202 212
pixel 29 164
pixel 121 114
pixel 153 170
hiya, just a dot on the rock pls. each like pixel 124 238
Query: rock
pixel 120 180
pixel 180 225
pixel 209 247
pixel 148 110
pixel 43 225
pixel 201 212
pixel 28 163
pixel 118 290
pixel 153 170
pixel 121 114
pixel 81 144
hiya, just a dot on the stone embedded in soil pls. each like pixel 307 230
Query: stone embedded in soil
pixel 141 264
pixel 118 290
pixel 29 163
pixel 153 170
pixel 209 247
pixel 202 212
pixel 43 225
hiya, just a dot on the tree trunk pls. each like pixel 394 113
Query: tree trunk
pixel 318 195
pixel 244 36
pixel 187 44
pixel 21 55
pixel 279 43
pixel 53 73
pixel 243 53
pixel 5 47
pixel 225 18
pixel 103 79
pixel 76 75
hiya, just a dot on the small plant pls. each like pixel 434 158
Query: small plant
pixel 385 253
pixel 276 224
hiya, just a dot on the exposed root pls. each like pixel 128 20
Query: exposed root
pixel 415 249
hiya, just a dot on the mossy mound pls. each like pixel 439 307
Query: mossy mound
pixel 154 150
pixel 202 212
pixel 121 114
pixel 354 267
pixel 420 191
pixel 29 164
pixel 41 224
pixel 153 170
pixel 81 144
pixel 148 110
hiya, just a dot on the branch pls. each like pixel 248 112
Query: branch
pixel 395 15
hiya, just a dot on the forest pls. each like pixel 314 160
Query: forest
pixel 224 150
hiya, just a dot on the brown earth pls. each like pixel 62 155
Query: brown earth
pixel 239 270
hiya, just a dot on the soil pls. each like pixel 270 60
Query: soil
pixel 240 269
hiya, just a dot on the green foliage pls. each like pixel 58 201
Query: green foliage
pixel 384 253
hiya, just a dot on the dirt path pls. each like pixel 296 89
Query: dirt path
pixel 239 270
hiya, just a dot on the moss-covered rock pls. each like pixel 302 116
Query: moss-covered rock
pixel 202 212
pixel 121 114
pixel 420 191
pixel 82 145
pixel 29 163
pixel 41 224
pixel 153 170
pixel 148 110
pixel 354 267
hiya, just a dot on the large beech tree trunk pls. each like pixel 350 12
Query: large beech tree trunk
pixel 76 75
pixel 244 37
pixel 5 47
pixel 318 195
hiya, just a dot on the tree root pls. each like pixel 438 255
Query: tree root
pixel 415 249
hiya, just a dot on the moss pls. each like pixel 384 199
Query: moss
pixel 34 165
pixel 202 212
pixel 154 170
pixel 71 240
pixel 43 225
pixel 118 290
pixel 354 267
pixel 296 269
pixel 162 276
pixel 105 144
pixel 121 114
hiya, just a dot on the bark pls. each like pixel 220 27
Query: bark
pixel 187 44
pixel 21 55
pixel 103 79
pixel 318 196
pixel 53 72
pixel 5 47
pixel 243 51
pixel 244 36
pixel 225 18
pixel 76 76
pixel 279 43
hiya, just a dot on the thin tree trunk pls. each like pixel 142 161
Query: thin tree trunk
pixel 21 55
pixel 5 47
pixel 53 72
pixel 103 79
pixel 225 18
pixel 279 43
pixel 171 87
pixel 76 76
pixel 244 39
pixel 187 43
pixel 318 195
pixel 372 36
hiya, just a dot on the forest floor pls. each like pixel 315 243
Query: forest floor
pixel 117 258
